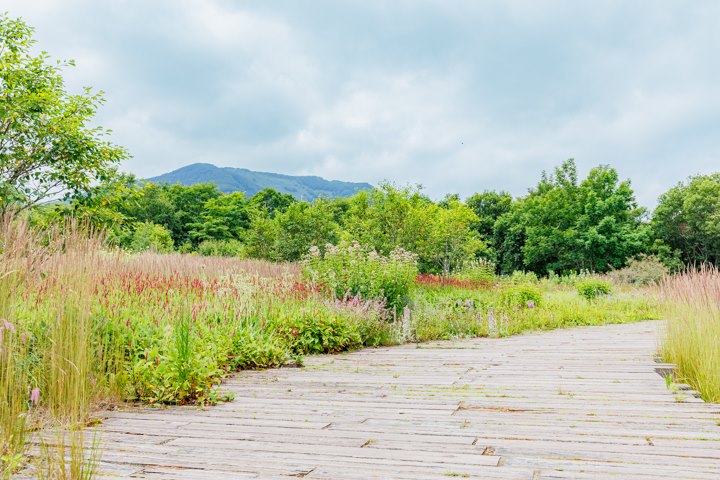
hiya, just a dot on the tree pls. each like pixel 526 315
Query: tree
pixel 450 240
pixel 150 236
pixel 302 226
pixel 687 219
pixel 223 218
pixel 488 206
pixel 271 201
pixel 564 225
pixel 262 237
pixel 383 219
pixel 48 150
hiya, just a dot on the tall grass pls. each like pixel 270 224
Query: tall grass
pixel 45 352
pixel 692 306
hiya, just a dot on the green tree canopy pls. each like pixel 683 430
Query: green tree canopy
pixel 48 149
pixel 303 225
pixel 271 201
pixel 687 219
pixel 223 218
pixel 488 206
pixel 564 225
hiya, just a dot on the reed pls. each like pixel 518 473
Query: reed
pixel 692 308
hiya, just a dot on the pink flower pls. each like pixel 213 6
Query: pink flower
pixel 9 326
pixel 531 304
pixel 35 396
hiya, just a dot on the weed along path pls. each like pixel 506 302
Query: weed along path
pixel 583 403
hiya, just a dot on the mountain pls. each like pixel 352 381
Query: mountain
pixel 230 179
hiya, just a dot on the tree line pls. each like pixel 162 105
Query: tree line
pixel 563 224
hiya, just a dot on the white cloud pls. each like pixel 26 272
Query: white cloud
pixel 459 96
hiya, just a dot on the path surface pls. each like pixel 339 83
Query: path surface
pixel 582 403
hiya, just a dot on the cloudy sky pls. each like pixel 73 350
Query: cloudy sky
pixel 459 96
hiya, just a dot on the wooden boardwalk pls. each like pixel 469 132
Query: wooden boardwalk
pixel 585 403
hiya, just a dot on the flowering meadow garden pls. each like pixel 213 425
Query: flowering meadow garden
pixel 115 291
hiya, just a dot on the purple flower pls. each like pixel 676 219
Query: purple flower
pixel 9 326
pixel 531 304
pixel 35 396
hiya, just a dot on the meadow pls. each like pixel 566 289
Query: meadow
pixel 85 327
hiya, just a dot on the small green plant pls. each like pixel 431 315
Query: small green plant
pixel 319 330
pixel 255 348
pixel 592 288
pixel 522 296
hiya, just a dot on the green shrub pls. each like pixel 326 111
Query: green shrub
pixel 592 288
pixel 519 277
pixel 522 296
pixel 176 369
pixel 641 270
pixel 319 331
pixel 255 348
pixel 150 236
pixel 349 270
pixel 221 248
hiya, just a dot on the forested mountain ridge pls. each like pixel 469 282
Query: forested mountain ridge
pixel 230 180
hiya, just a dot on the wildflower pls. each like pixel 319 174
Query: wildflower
pixel 35 396
pixel 531 304
pixel 9 326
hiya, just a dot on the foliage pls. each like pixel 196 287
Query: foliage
pixel 386 218
pixel 271 201
pixel 302 226
pixel 687 219
pixel 565 225
pixel 261 239
pixel 641 270
pixel 449 241
pixel 521 296
pixel 592 288
pixel 149 236
pixel 519 277
pixel 351 270
pixel 489 206
pixel 222 248
pixel 223 218
pixel 48 147
pixel 256 348
pixel 319 330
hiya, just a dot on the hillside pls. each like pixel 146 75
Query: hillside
pixel 230 179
